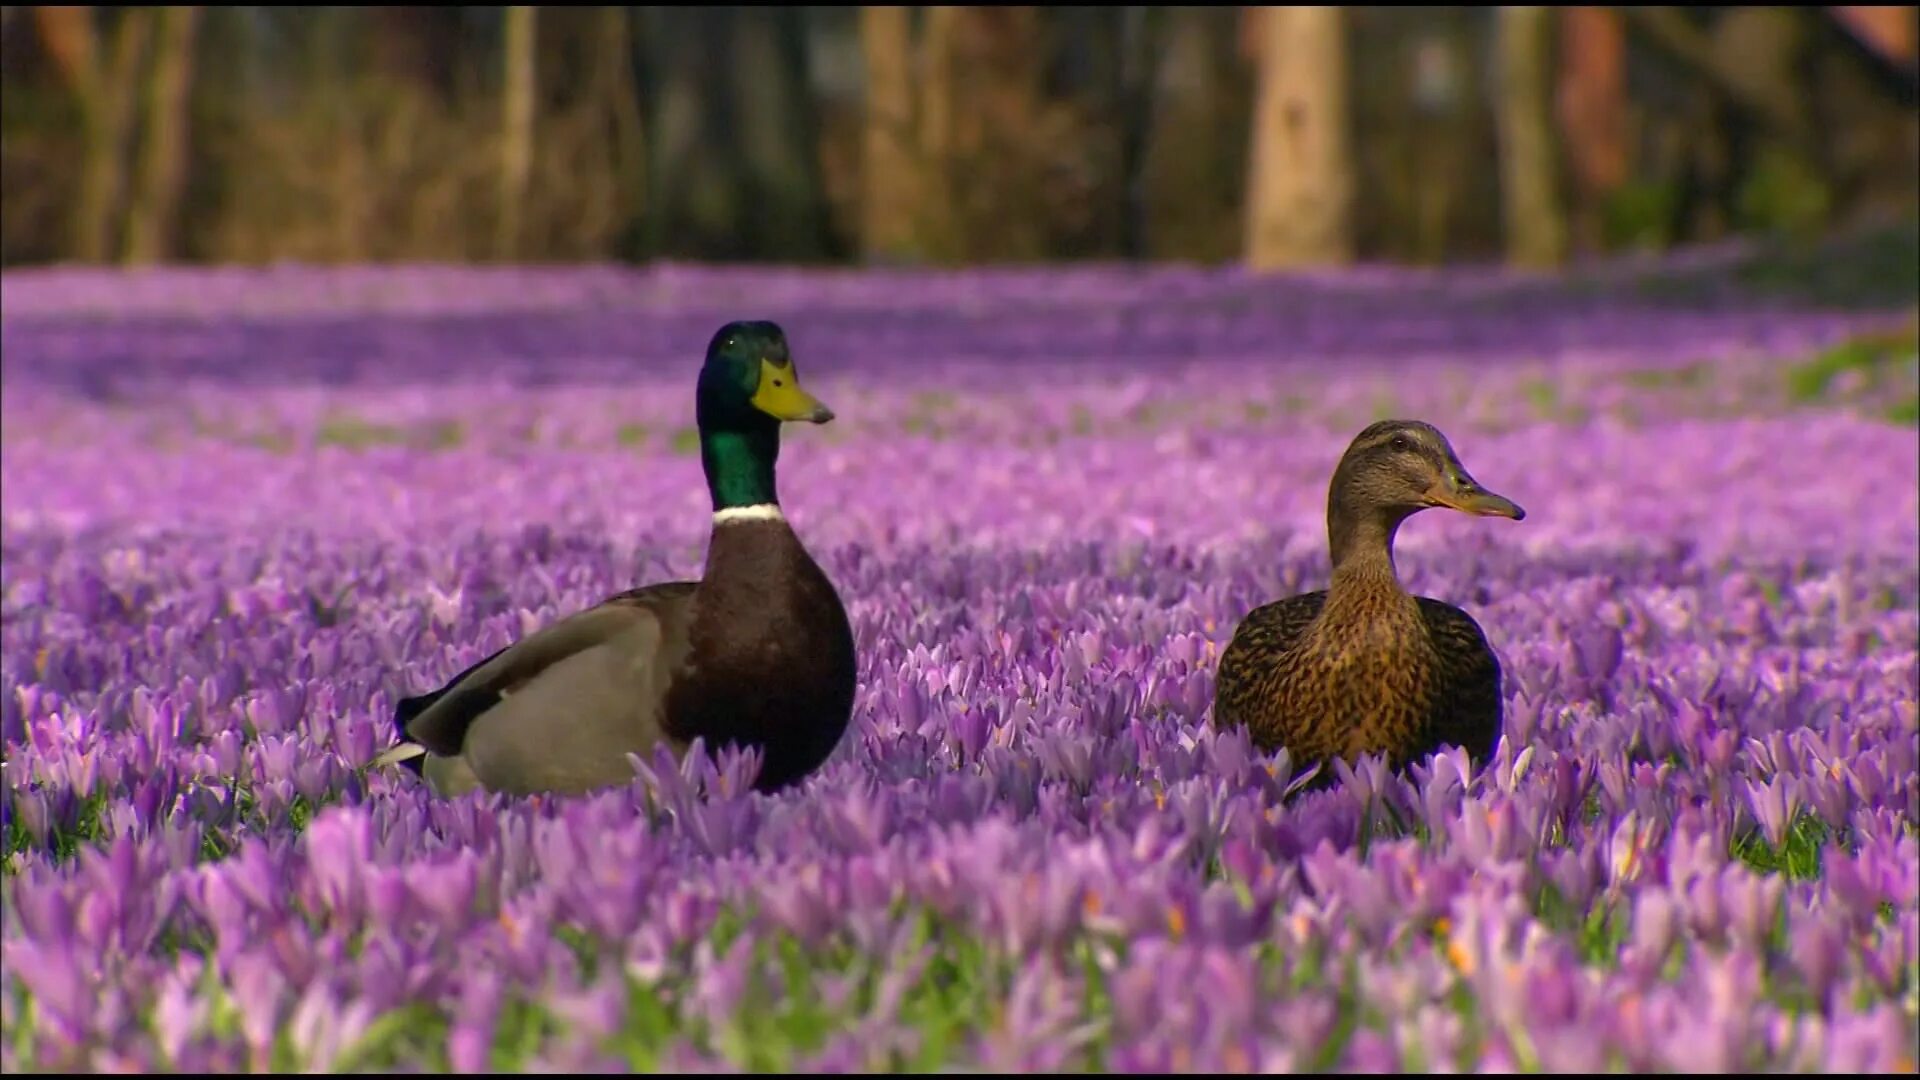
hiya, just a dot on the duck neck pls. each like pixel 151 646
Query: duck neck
pixel 739 464
pixel 750 548
pixel 1361 543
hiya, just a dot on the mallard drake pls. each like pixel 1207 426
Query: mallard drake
pixel 758 652
pixel 1363 667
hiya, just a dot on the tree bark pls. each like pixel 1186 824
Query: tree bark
pixel 162 175
pixel 1765 47
pixel 1535 232
pixel 1592 109
pixel 734 154
pixel 1300 186
pixel 938 216
pixel 775 132
pixel 1435 194
pixel 981 143
pixel 1862 98
pixel 1139 33
pixel 408 41
pixel 694 186
pixel 1880 42
pixel 105 95
pixel 1746 86
pixel 1194 187
pixel 1888 27
pixel 516 144
pixel 890 165
pixel 627 128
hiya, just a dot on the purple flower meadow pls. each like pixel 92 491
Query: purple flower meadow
pixel 244 512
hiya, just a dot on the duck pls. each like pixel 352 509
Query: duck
pixel 758 653
pixel 1363 667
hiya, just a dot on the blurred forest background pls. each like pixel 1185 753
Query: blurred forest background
pixel 944 135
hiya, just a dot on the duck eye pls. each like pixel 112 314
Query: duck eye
pixel 777 382
pixel 1401 443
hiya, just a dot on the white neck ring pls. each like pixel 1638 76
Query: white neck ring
pixel 761 512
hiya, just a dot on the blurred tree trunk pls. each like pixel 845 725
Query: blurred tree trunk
pixel 1139 36
pixel 735 157
pixel 693 178
pixel 1706 134
pixel 516 144
pixel 1777 179
pixel 411 41
pixel 162 174
pixel 981 140
pixel 628 130
pixel 1535 232
pixel 1756 158
pixel 1195 159
pixel 1390 175
pixel 776 134
pixel 105 91
pixel 1300 185
pixel 1890 28
pixel 937 219
pixel 1592 106
pixel 1748 82
pixel 890 187
pixel 1425 172
pixel 1862 97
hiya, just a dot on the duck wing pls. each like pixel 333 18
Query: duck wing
pixel 1469 705
pixel 559 709
pixel 1249 663
pixel 408 708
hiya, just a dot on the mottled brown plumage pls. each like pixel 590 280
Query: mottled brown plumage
pixel 1364 667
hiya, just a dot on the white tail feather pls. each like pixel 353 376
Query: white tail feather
pixel 397 754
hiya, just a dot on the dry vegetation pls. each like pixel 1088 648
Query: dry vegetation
pixel 959 134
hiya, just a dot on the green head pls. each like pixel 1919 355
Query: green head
pixel 749 386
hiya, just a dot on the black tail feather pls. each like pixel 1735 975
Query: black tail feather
pixel 403 714
pixel 408 708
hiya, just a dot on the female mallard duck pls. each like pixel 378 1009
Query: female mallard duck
pixel 1363 667
pixel 757 653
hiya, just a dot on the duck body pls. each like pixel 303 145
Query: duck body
pixel 1364 667
pixel 1417 679
pixel 771 654
pixel 757 653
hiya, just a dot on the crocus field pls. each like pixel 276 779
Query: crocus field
pixel 246 510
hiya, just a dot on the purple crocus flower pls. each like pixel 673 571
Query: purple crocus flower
pixel 240 520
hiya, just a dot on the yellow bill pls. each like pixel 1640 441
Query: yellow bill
pixel 780 396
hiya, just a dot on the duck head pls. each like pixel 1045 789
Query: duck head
pixel 750 378
pixel 749 386
pixel 1393 470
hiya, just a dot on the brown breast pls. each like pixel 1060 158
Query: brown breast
pixel 1360 680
